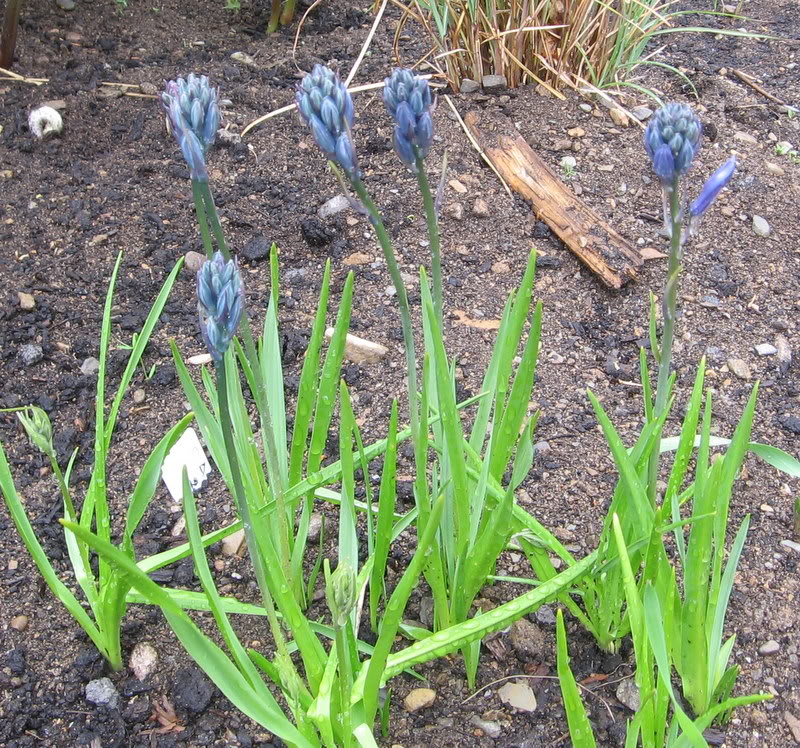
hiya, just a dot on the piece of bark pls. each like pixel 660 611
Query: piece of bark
pixel 613 259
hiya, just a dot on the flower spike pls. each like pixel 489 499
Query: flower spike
pixel 409 102
pixel 674 129
pixel 220 303
pixel 327 108
pixel 193 112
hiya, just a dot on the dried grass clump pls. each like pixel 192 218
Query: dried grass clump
pixel 556 43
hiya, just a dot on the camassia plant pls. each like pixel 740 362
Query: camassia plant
pixel 469 469
pixel 332 693
pixel 106 588
pixel 674 604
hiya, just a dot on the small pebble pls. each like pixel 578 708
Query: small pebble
pixel 143 659
pixel 791 544
pixel 489 727
pixel 739 368
pixel 619 117
pixel 90 366
pixel 775 170
pixel 584 107
pixel 766 349
pixel 519 696
pixel 642 113
pixel 360 351
pixel 745 137
pixel 469 86
pixel 455 211
pixel 139 396
pixel 419 698
pixel 627 693
pixel 193 261
pixel 494 82
pixel 769 648
pixel 26 301
pixel 760 226
pixel 576 132
pixel 66 4
pixel 102 692
pixel 314 527
pixel 19 623
pixel 232 543
pixel 480 208
pixel 31 354
pixel 545 616
pixel 357 258
pixel 335 205
pixel 457 186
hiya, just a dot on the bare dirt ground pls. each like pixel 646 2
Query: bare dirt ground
pixel 114 182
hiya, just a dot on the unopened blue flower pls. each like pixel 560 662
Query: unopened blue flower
pixel 408 100
pixel 713 186
pixel 220 302
pixel 327 108
pixel 193 112
pixel 672 140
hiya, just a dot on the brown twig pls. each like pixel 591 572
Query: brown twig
pixel 750 81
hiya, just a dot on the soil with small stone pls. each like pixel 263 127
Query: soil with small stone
pixel 114 182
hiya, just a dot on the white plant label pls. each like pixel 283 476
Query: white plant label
pixel 187 452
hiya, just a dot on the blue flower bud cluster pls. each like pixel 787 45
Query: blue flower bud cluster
pixel 327 108
pixel 220 302
pixel 672 140
pixel 409 102
pixel 193 112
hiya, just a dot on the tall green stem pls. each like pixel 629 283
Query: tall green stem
pixel 345 683
pixel 244 512
pixel 274 17
pixel 433 238
pixel 277 485
pixel 402 298
pixel 213 217
pixel 202 220
pixel 669 314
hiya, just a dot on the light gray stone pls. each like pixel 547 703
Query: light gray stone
pixel 469 86
pixel 761 227
pixel 766 349
pixel 335 205
pixel 628 694
pixel 494 82
pixel 90 366
pixel 770 647
pixel 30 354
pixel 103 693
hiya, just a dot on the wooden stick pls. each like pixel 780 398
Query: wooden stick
pixel 611 257
pixel 750 81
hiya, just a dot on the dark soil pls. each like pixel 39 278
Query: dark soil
pixel 115 182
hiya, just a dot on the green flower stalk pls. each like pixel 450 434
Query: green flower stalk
pixel 193 112
pixel 672 140
pixel 326 107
